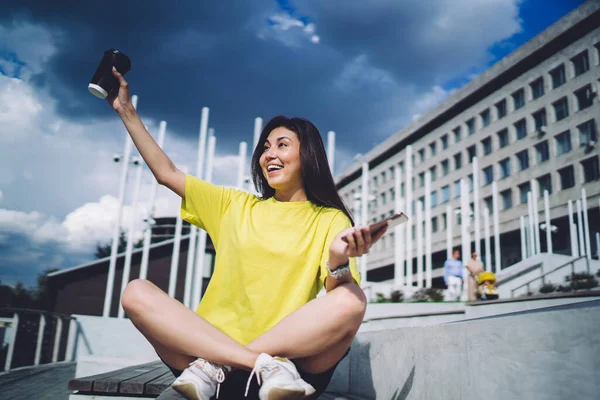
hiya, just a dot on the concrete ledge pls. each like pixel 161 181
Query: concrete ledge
pixel 543 354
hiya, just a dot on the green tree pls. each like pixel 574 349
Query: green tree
pixel 103 250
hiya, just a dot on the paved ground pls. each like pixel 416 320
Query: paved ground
pixel 44 382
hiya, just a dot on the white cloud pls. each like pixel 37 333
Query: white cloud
pixel 359 74
pixel 429 100
pixel 289 30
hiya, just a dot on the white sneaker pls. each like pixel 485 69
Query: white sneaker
pixel 280 379
pixel 200 380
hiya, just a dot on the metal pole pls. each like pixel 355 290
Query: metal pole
pixel 40 340
pixel 189 273
pixel 399 244
pixel 575 240
pixel 496 211
pixel 571 231
pixel 488 248
pixel 201 251
pixel 129 250
pixel 548 226
pixel 258 122
pixel 117 228
pixel 586 224
pixel 449 227
pixel 419 244
pixel 536 221
pixel 598 245
pixel 464 226
pixel 476 201
pixel 162 129
pixel 11 345
pixel 331 150
pixel 364 213
pixel 523 238
pixel 409 213
pixel 176 249
pixel 57 335
pixel 531 246
pixel 580 238
pixel 242 166
pixel 428 230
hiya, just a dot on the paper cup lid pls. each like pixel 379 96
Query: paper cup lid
pixel 97 91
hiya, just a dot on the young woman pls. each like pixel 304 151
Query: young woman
pixel 274 254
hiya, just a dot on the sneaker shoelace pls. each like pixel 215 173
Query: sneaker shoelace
pixel 214 371
pixel 273 365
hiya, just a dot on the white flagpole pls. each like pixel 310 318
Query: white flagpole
pixel 428 230
pixel 399 244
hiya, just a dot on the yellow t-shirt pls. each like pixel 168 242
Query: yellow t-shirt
pixel 270 255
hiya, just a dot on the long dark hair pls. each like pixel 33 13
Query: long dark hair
pixel 319 185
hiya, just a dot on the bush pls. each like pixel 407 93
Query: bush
pixel 380 298
pixel 581 281
pixel 547 288
pixel 563 289
pixel 426 295
pixel 397 296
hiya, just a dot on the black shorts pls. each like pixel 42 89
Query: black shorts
pixel 235 385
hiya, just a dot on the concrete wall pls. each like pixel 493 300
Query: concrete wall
pixel 106 344
pixel 552 353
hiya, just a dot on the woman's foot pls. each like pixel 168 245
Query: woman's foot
pixel 279 379
pixel 201 380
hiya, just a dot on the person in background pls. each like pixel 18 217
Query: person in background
pixel 453 277
pixel 475 267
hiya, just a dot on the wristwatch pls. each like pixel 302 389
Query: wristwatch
pixel 340 271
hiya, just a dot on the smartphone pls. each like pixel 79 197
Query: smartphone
pixel 391 222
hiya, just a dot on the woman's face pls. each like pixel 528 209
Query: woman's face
pixel 280 161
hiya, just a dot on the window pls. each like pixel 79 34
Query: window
pixel 392 194
pixel 445 193
pixel 524 188
pixel 471 182
pixel 383 198
pixel 433 172
pixel 519 98
pixel 501 108
pixel 587 133
pixel 505 168
pixel 444 141
pixel 471 126
pixel 457 161
pixel 401 166
pixel 444 221
pixel 506 199
pixel 445 167
pixel 521 128
pixel 567 177
pixel 539 119
pixel 542 152
pixel 545 182
pixel 472 151
pixel 503 138
pixel 537 88
pixel 558 76
pixel 488 175
pixel 457 134
pixel 375 181
pixel 489 204
pixel 523 160
pixel 383 177
pixel 422 179
pixel 422 201
pixel 561 109
pixel 434 199
pixel 434 224
pixel 457 188
pixel 581 63
pixel 584 97
pixel 402 189
pixel 487 145
pixel 563 143
pixel 591 170
pixel 422 155
pixel 433 148
pixel 485 117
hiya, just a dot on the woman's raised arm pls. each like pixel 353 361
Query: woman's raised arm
pixel 159 163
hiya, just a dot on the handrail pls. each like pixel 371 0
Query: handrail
pixel 542 276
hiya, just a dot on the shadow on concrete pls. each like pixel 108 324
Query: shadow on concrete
pixel 402 394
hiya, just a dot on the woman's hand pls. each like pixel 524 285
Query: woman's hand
pixel 352 242
pixel 121 102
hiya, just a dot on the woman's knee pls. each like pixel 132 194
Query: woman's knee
pixel 135 295
pixel 352 300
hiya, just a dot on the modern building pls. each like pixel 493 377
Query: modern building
pixel 529 124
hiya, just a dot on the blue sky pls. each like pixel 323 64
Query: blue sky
pixel 362 69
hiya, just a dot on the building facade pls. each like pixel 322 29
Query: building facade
pixel 531 124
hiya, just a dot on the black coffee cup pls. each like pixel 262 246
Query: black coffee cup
pixel 104 82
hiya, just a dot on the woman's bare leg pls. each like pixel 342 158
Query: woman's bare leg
pixel 319 333
pixel 177 333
